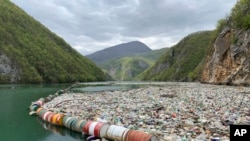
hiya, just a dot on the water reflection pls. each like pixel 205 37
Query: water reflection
pixel 61 132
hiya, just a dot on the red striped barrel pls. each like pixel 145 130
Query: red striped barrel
pixel 86 127
pixel 134 135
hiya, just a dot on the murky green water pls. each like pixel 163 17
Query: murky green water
pixel 17 125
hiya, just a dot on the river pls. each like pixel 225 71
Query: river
pixel 17 125
pixel 15 122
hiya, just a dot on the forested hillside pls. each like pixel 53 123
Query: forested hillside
pixel 30 53
pixel 182 62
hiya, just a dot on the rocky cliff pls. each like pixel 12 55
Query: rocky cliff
pixel 228 60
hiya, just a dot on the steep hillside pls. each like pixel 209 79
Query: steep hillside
pixel 228 61
pixel 30 53
pixel 118 51
pixel 129 67
pixel 182 62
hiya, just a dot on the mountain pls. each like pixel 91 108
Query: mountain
pixel 182 62
pixel 228 61
pixel 118 51
pixel 129 67
pixel 30 53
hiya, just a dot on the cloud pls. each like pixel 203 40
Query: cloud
pixel 91 25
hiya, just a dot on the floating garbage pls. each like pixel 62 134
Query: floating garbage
pixel 183 112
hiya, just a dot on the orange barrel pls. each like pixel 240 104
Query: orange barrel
pixel 45 115
pixel 86 127
pixel 59 119
pixel 134 135
pixel 115 132
pixel 104 130
pixel 49 117
pixel 54 118
pixel 41 112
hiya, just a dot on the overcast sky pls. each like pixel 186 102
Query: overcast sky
pixel 91 25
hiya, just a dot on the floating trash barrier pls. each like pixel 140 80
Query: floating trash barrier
pixel 96 130
pixel 185 112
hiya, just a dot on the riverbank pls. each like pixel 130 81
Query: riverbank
pixel 193 111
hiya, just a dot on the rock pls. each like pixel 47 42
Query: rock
pixel 229 61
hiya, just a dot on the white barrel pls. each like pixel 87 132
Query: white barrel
pixel 92 128
pixel 117 133
pixel 44 116
pixel 104 130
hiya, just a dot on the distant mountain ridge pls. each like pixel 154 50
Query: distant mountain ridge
pixel 118 51
pixel 129 67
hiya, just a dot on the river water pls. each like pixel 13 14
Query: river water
pixel 15 122
pixel 17 125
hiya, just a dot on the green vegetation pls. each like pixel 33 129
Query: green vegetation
pixel 182 62
pixel 128 68
pixel 39 54
pixel 238 19
pixel 240 14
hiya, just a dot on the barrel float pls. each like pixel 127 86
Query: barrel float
pixel 68 121
pixel 65 119
pixel 34 107
pixel 104 130
pixel 39 102
pixel 92 128
pixel 86 127
pixel 115 132
pixel 42 112
pixel 54 119
pixel 73 125
pixel 95 129
pixel 134 135
pixel 49 117
pixel 59 120
pixel 77 125
pixel 45 115
pixel 38 110
pixel 41 99
pixel 82 125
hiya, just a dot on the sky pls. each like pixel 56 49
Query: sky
pixel 92 25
